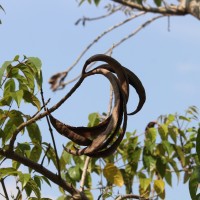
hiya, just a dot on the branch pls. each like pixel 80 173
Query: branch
pixel 41 115
pixel 45 172
pixel 133 196
pixel 56 80
pixel 84 19
pixel 167 10
pixel 4 189
pixel 83 177
pixel 120 42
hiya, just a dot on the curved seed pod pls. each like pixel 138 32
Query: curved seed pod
pixel 64 130
pixel 99 140
pixel 90 132
pixel 135 82
pixel 116 67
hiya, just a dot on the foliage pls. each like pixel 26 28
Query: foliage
pixel 147 161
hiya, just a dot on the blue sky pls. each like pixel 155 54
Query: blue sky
pixel 166 62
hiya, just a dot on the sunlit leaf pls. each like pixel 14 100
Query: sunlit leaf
pixel 163 131
pixel 93 119
pixel 181 155
pixel 159 187
pixel 113 174
pixel 151 134
pixel 144 187
pixel 24 178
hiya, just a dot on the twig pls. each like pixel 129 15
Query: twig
pixel 135 32
pixel 41 108
pixel 120 42
pixel 87 48
pixel 83 177
pixel 51 132
pixel 4 189
pixel 84 19
pixel 110 101
pixel 100 36
pixel 48 148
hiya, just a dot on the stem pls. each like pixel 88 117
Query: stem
pixel 82 183
pixel 4 189
pixel 51 132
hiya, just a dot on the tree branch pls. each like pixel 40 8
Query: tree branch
pixel 166 10
pixel 133 196
pixel 47 173
pixel 54 80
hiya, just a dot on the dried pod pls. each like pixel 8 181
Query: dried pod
pixel 103 139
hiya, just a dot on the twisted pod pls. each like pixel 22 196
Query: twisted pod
pixel 103 139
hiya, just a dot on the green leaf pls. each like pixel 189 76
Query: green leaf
pixel 17 96
pixel 31 98
pixel 151 134
pixel 16 116
pixel 145 187
pixel 181 155
pixel 194 182
pixel 8 130
pixel 198 144
pixel 9 87
pixel 35 153
pixel 93 119
pixel 97 2
pixel 184 118
pixel 168 147
pixel 16 58
pixel 160 166
pixel 113 174
pixel 36 65
pixel 28 74
pixel 75 173
pixel 8 171
pixel 31 186
pixel 163 131
pixel 128 180
pixel 168 177
pixel 159 187
pixel 170 119
pixel 24 178
pixel 88 194
pixel 149 162
pixel 2 70
pixel 173 132
pixel 52 156
pixel 34 133
pixel 158 2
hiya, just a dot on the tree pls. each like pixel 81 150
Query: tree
pixel 172 151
